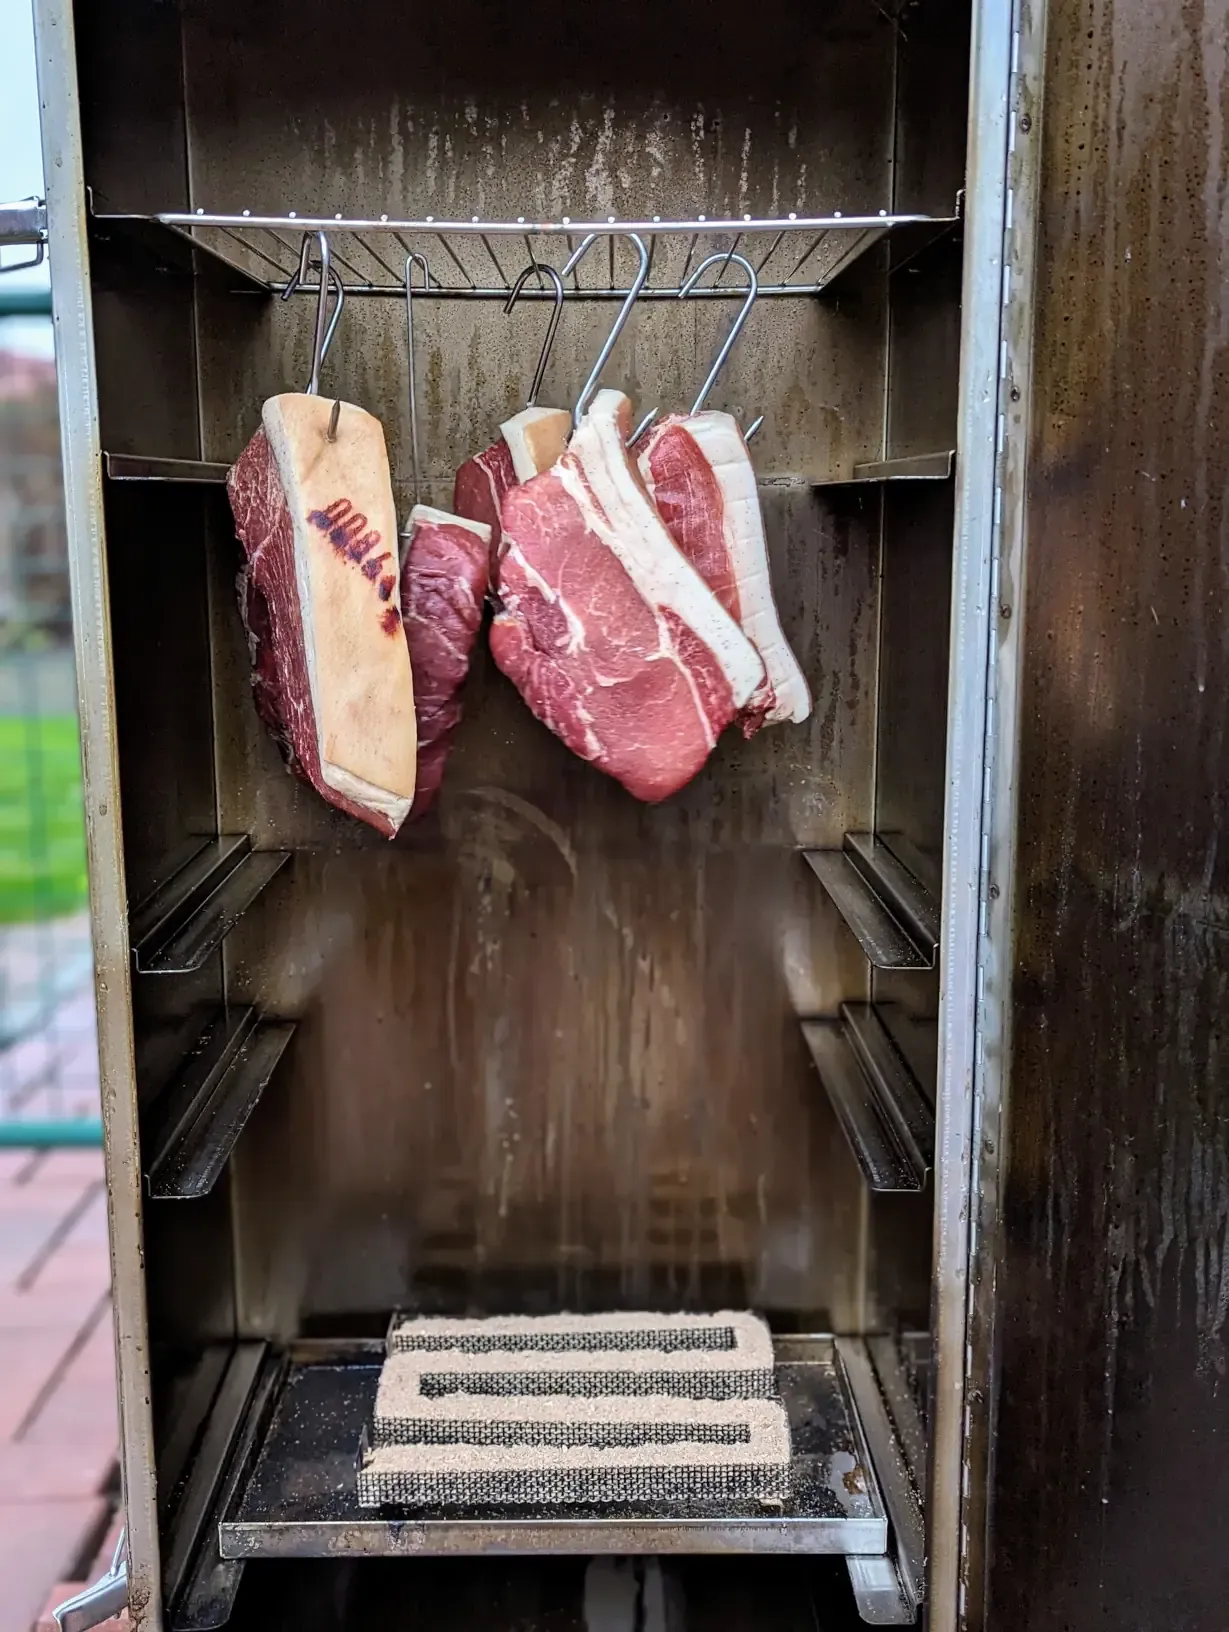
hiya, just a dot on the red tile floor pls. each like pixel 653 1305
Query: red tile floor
pixel 57 1378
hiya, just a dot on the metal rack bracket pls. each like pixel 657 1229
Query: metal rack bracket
pixel 919 467
pixel 200 1586
pixel 135 467
pixel 172 252
pixel 206 1107
pixel 260 252
pixel 900 1497
pixel 893 914
pixel 881 1108
pixel 177 928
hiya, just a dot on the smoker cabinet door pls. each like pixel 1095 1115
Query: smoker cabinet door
pixel 1109 1480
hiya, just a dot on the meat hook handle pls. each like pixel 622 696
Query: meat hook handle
pixel 329 274
pixel 538 267
pixel 620 322
pixel 411 261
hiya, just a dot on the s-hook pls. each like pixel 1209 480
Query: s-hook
pixel 324 331
pixel 411 261
pixel 620 322
pixel 537 268
pixel 736 328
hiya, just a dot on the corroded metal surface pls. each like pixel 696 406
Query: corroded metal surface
pixel 1110 1473
pixel 570 1017
pixel 464 114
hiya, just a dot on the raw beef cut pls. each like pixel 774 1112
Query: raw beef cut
pixel 529 442
pixel 699 474
pixel 319 596
pixel 444 580
pixel 610 635
pixel 479 488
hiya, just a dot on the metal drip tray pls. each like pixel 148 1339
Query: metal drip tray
pixel 300 1500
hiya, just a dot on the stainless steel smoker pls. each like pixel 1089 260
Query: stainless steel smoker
pixel 553 1050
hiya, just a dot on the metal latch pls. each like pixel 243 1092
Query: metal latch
pixel 107 1596
pixel 24 222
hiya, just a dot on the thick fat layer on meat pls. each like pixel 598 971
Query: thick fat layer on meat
pixel 269 603
pixel 479 487
pixel 345 535
pixel 444 580
pixel 698 470
pixel 536 437
pixel 613 639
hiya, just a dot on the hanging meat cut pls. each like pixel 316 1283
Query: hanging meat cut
pixel 529 442
pixel 700 476
pixel 444 580
pixel 610 635
pixel 319 596
pixel 480 485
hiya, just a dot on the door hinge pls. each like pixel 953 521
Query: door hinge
pixel 99 1602
pixel 23 223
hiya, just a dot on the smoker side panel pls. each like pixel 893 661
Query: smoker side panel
pixel 1111 1477
pixel 78 399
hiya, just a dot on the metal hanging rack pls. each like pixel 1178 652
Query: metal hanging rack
pixel 475 259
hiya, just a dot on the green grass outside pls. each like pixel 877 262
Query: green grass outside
pixel 42 820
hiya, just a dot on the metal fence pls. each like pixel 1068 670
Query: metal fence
pixel 49 1092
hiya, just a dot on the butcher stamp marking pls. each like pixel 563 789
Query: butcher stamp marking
pixel 346 530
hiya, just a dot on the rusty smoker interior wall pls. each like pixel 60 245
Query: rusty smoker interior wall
pixel 1112 1446
pixel 547 1050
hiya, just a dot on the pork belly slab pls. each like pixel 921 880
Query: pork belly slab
pixel 528 443
pixel 444 580
pixel 700 476
pixel 320 599
pixel 609 633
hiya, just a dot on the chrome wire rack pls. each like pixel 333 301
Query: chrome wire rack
pixel 477 259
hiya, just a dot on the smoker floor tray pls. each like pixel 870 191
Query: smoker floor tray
pixel 300 1500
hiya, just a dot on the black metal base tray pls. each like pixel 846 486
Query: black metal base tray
pixel 300 1500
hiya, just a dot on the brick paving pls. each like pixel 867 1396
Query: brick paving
pixel 57 1402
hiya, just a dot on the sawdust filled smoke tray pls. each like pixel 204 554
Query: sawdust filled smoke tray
pixel 301 1497
pixel 577 1409
pixel 724 1356
pixel 524 1450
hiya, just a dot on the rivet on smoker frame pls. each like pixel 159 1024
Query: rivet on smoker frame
pixel 1004 611
pixel 1026 123
pixel 994 892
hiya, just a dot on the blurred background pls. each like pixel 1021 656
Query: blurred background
pixel 48 1070
pixel 57 1405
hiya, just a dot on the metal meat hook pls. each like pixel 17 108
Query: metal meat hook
pixel 535 268
pixel 620 322
pixel 411 261
pixel 736 328
pixel 324 332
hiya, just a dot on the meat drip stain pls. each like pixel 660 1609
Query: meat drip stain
pixel 390 620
